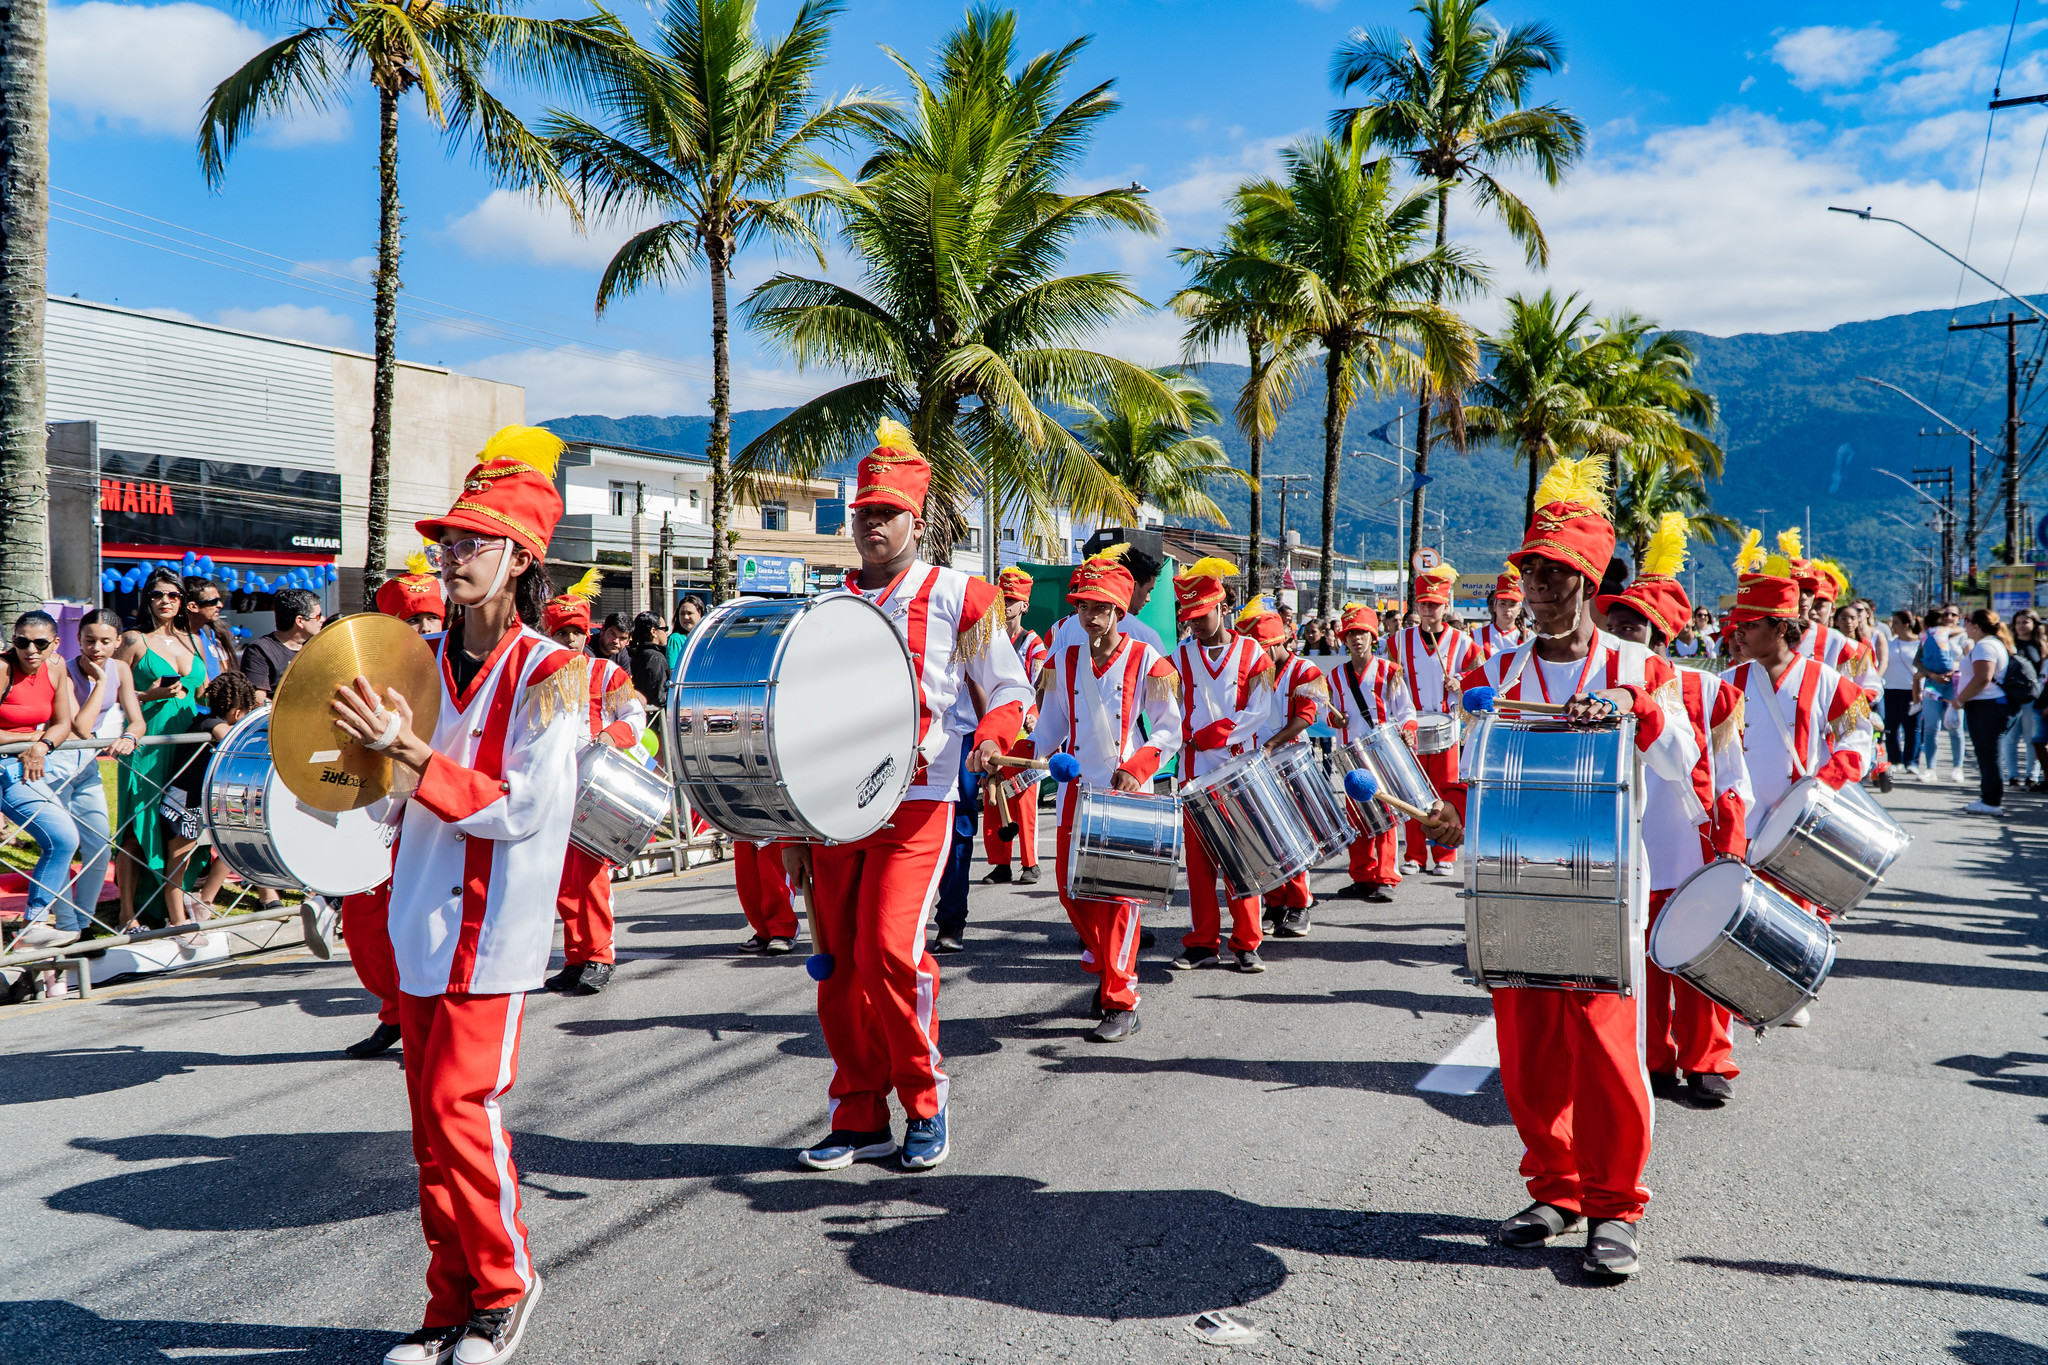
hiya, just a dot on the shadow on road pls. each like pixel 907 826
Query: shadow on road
pixel 1794 1270
pixel 1414 1003
pixel 57 1333
pixel 33 1077
pixel 1995 1348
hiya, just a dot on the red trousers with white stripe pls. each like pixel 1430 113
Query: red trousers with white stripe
pixel 763 887
pixel 1206 930
pixel 584 901
pixel 1024 805
pixel 1108 928
pixel 1571 1067
pixel 1291 895
pixel 880 1006
pixel 1376 859
pixel 1687 1031
pixel 461 1056
pixel 368 935
pixel 1442 771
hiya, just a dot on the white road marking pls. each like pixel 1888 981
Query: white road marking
pixel 1467 1066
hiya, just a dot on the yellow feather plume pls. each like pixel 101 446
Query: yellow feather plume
pixel 1210 567
pixel 1666 552
pixel 1750 557
pixel 1257 607
pixel 1350 607
pixel 535 447
pixel 1788 542
pixel 1777 566
pixel 587 587
pixel 416 562
pixel 1838 573
pixel 1440 571
pixel 1581 481
pixel 1116 551
pixel 1508 570
pixel 891 434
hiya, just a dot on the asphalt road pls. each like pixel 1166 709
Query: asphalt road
pixel 189 1171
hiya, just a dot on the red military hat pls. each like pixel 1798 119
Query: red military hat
pixel 510 491
pixel 1571 526
pixel 1200 589
pixel 572 608
pixel 1356 617
pixel 1103 578
pixel 893 474
pixel 1764 588
pixel 1434 585
pixel 1508 587
pixel 1655 592
pixel 1016 584
pixel 1833 582
pixel 1261 623
pixel 416 592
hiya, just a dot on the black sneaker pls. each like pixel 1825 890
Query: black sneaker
pixel 1293 924
pixel 1116 1026
pixel 494 1335
pixel 1029 876
pixel 565 980
pixel 1095 1009
pixel 428 1346
pixel 1356 891
pixel 1884 780
pixel 1709 1089
pixel 1538 1226
pixel 948 943
pixel 842 1147
pixel 1380 895
pixel 595 975
pixel 1145 937
pixel 382 1039
pixel 1191 958
pixel 997 875
pixel 776 947
pixel 757 944
pixel 1247 960
pixel 1611 1248
pixel 1664 1085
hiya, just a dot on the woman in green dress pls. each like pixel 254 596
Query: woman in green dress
pixel 169 673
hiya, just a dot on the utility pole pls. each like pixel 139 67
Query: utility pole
pixel 1944 479
pixel 1286 482
pixel 2011 324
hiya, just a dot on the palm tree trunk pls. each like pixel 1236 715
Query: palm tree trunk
pixel 1333 443
pixel 24 230
pixel 1415 504
pixel 384 390
pixel 719 448
pixel 1257 345
pixel 1535 459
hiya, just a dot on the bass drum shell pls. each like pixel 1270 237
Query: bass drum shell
pixel 1249 825
pixel 1322 814
pixel 1743 944
pixel 794 719
pixel 1832 847
pixel 1374 817
pixel 619 805
pixel 1126 846
pixel 271 838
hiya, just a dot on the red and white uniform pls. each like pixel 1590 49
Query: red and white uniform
pixel 1363 700
pixel 1432 672
pixel 870 899
pixel 1031 652
pixel 1295 691
pixel 1494 640
pixel 480 846
pixel 763 886
pixel 1571 1062
pixel 1828 645
pixel 1093 712
pixel 1686 1031
pixel 584 898
pixel 1812 723
pixel 1216 690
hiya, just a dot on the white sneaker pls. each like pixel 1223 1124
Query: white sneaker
pixel 1959 775
pixel 1801 1019
pixel 43 934
pixel 428 1346
pixel 481 1347
pixel 1979 808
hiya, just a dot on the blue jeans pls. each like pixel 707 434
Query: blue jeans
pixel 85 796
pixel 1932 708
pixel 2016 745
pixel 38 810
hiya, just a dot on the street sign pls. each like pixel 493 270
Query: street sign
pixel 2012 587
pixel 772 573
pixel 1427 559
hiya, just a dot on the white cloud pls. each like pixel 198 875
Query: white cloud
pixel 1828 55
pixel 515 226
pixel 152 67
pixel 359 269
pixel 570 380
pixel 320 326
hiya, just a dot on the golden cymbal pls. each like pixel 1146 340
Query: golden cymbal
pixel 315 758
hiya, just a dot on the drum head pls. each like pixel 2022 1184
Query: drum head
pixel 1697 912
pixel 332 853
pixel 1230 770
pixel 844 717
pixel 1779 820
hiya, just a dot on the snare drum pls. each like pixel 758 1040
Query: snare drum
pixel 1317 806
pixel 1434 733
pixel 1832 847
pixel 1374 817
pixel 1550 835
pixel 1126 846
pixel 1393 763
pixel 1249 825
pixel 1742 943
pixel 794 719
pixel 619 805
pixel 271 838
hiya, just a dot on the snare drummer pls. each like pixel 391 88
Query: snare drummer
pixel 1288 703
pixel 1686 1032
pixel 1016 585
pixel 1099 695
pixel 1365 693
pixel 1433 655
pixel 878 996
pixel 618 717
pixel 1503 631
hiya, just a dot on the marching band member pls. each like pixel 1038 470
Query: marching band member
pixel 1504 606
pixel 1571 1062
pixel 414 597
pixel 1687 1032
pixel 1287 705
pixel 480 850
pixel 1099 693
pixel 1365 693
pixel 1817 591
pixel 1220 673
pixel 618 717
pixel 1144 569
pixel 878 985
pixel 1433 656
pixel 762 884
pixel 1031 652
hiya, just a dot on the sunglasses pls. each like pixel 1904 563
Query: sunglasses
pixel 165 595
pixel 461 552
pixel 207 602
pixel 24 643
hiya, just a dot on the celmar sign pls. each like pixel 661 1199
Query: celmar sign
pixel 772 573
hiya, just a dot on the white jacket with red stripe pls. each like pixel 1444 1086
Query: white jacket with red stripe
pixel 1216 700
pixel 481 843
pixel 1383 688
pixel 615 708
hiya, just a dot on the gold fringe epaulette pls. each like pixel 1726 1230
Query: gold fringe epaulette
pixel 1315 687
pixel 1670 694
pixel 974 643
pixel 1730 730
pixel 1162 687
pixel 1858 712
pixel 565 692
pixel 1262 669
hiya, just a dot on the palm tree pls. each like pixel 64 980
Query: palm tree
pixel 707 134
pixel 1647 380
pixel 960 327
pixel 1350 254
pixel 1650 486
pixel 24 228
pixel 1534 398
pixel 445 50
pixel 1455 110
pixel 1223 302
pixel 1160 460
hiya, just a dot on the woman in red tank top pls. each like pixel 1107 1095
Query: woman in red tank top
pixel 36 710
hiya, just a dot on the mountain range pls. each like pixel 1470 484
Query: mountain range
pixel 1804 438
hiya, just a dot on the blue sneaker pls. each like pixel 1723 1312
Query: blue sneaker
pixel 924 1142
pixel 842 1148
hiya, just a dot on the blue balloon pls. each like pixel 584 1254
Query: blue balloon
pixel 191 557
pixel 819 965
pixel 1064 767
pixel 333 574
pixel 1361 786
pixel 206 565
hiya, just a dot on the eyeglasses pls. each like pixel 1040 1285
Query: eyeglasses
pixel 166 595
pixel 461 552
pixel 208 602
pixel 25 643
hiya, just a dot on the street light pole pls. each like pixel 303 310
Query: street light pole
pixel 1869 217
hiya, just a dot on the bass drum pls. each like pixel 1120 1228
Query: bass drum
pixel 794 719
pixel 271 838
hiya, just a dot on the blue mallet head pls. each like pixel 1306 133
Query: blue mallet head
pixel 819 965
pixel 1478 700
pixel 1361 786
pixel 1063 767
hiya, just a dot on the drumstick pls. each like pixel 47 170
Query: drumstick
pixel 1361 786
pixel 1008 762
pixel 1484 700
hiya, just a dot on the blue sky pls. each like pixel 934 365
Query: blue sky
pixel 1719 136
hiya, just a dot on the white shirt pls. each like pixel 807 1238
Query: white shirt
pixel 1992 648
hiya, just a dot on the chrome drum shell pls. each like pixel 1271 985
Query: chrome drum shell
pixel 270 838
pixel 1300 771
pixel 1742 943
pixel 619 805
pixel 1126 846
pixel 1395 765
pixel 1832 847
pixel 1249 825
pixel 1435 732
pixel 1374 817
